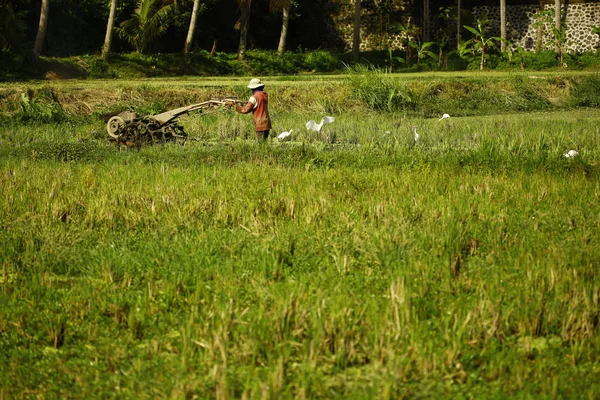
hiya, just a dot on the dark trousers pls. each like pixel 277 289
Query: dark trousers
pixel 262 136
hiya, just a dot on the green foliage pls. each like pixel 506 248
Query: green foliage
pixel 321 61
pixel 12 31
pixel 99 68
pixel 422 50
pixel 41 107
pixel 585 60
pixel 540 61
pixel 480 42
pixel 559 39
pixel 149 21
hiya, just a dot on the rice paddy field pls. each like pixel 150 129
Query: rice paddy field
pixel 356 262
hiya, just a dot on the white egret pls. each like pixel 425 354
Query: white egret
pixel 416 135
pixel 312 125
pixel 285 135
pixel 571 154
pixel 444 117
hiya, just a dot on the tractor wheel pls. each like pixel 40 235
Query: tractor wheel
pixel 115 126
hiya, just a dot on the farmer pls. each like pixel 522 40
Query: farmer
pixel 258 104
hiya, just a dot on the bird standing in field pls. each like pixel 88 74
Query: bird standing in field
pixel 415 134
pixel 313 126
pixel 285 135
pixel 444 117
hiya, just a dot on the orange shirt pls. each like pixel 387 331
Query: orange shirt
pixel 258 104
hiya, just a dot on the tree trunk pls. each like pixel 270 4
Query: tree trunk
pixel 426 18
pixel 458 25
pixel 557 26
pixel 503 25
pixel 482 64
pixel 109 29
pixel 557 14
pixel 284 28
pixel 356 39
pixel 244 24
pixel 190 36
pixel 214 47
pixel 539 42
pixel 41 33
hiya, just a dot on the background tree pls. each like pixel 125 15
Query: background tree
pixel 426 20
pixel 557 13
pixel 109 29
pixel 243 24
pixel 458 24
pixel 557 29
pixel 149 21
pixel 445 19
pixel 43 25
pixel 503 25
pixel 190 36
pixel 285 7
pixel 356 37
pixel 480 42
pixel 11 30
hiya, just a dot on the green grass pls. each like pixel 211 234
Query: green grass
pixel 348 264
pixel 359 91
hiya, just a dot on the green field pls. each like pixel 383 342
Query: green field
pixel 352 263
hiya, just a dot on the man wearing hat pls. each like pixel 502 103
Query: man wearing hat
pixel 258 104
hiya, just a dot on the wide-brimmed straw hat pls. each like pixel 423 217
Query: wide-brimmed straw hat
pixel 255 84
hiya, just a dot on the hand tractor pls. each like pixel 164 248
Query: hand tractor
pixel 130 129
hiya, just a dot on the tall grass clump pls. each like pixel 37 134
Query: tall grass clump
pixel 586 91
pixel 378 89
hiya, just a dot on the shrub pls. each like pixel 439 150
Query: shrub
pixel 586 60
pixel 541 60
pixel 321 61
pixel 42 106
pixel 98 67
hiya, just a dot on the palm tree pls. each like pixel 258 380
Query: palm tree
pixel 356 38
pixel 149 21
pixel 285 7
pixel 190 35
pixel 41 33
pixel 458 24
pixel 426 18
pixel 539 25
pixel 557 14
pixel 243 24
pixel 109 29
pixel 503 25
pixel 557 30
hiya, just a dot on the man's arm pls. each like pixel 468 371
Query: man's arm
pixel 245 109
pixel 250 105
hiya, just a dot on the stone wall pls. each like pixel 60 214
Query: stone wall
pixel 579 19
pixel 371 35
